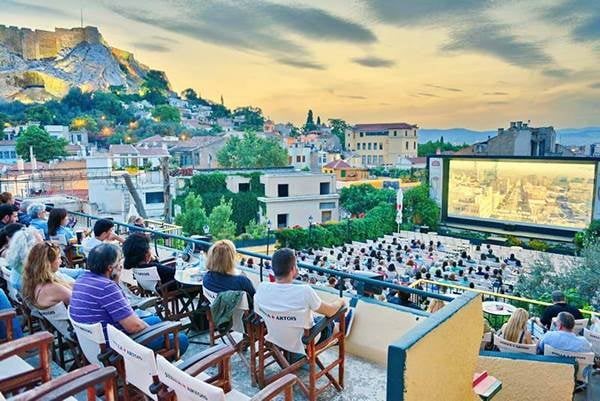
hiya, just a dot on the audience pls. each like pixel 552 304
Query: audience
pixel 57 227
pixel 563 338
pixel 103 231
pixel 38 217
pixel 18 250
pixel 138 255
pixel 559 305
pixel 515 330
pixel 42 286
pixel 8 214
pixel 97 297
pixel 222 274
pixel 6 234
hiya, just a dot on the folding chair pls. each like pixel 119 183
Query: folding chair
pixel 68 385
pixel 580 324
pixel 238 318
pixel 91 340
pixel 6 317
pixel 584 361
pixel 509 346
pixel 277 333
pixel 15 373
pixel 179 385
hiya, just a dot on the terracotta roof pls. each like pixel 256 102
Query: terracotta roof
pixel 338 165
pixel 197 142
pixel 153 152
pixel 123 150
pixel 383 127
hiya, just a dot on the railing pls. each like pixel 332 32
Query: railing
pixel 531 304
pixel 360 282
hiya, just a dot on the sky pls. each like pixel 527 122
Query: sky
pixel 437 63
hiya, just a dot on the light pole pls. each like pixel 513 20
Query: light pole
pixel 310 223
pixel 268 234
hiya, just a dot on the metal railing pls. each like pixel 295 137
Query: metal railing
pixel 359 282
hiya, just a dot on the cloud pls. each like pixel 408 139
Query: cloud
pixel 495 94
pixel 582 17
pixel 556 72
pixel 428 12
pixel 425 94
pixel 300 64
pixel 444 88
pixel 595 85
pixel 153 47
pixel 29 8
pixel 164 39
pixel 373 62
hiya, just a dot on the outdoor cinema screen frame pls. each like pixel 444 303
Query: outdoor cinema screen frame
pixel 551 195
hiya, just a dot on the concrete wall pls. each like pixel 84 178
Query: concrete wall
pixel 436 359
pixel 529 377
pixel 298 184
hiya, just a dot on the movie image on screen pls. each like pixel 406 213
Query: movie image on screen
pixel 509 191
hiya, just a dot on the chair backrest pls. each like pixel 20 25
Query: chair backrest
pixel 91 338
pixel 580 324
pixel 508 346
pixel 140 364
pixel 286 328
pixel 238 314
pixel 147 278
pixel 584 359
pixel 594 338
pixel 60 239
pixel 186 387
pixel 57 316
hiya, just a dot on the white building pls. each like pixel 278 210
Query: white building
pixel 130 156
pixel 292 199
pixel 8 152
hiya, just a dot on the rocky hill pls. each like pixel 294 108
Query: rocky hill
pixel 39 65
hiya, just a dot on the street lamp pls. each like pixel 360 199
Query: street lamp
pixel 310 224
pixel 268 234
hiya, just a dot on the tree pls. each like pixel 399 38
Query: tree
pixel 219 221
pixel 219 111
pixel 251 151
pixel 430 148
pixel 359 199
pixel 338 128
pixel 155 87
pixel 419 208
pixel 310 122
pixel 318 121
pixel 166 113
pixel 4 120
pixel 193 216
pixel 190 95
pixel 84 122
pixel 39 113
pixel 256 230
pixel 45 147
pixel 253 118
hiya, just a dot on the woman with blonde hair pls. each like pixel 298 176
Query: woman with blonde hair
pixel 42 287
pixel 435 305
pixel 222 273
pixel 515 330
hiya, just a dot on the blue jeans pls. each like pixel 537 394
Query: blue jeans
pixel 73 273
pixel 17 331
pixel 159 342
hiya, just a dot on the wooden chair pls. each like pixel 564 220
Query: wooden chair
pixel 6 317
pixel 580 324
pixel 509 346
pixel 15 373
pixel 183 385
pixel 270 343
pixel 584 361
pixel 87 378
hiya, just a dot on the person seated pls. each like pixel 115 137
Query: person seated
pixel 559 305
pixel 42 286
pixel 8 214
pixel 137 253
pixel 6 234
pixel 38 217
pixel 22 216
pixel 103 231
pixel 563 338
pixel 515 330
pixel 401 298
pixel 285 295
pixel 18 249
pixel 58 221
pixel 222 274
pixel 97 297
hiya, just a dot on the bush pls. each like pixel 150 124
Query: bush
pixel 537 245
pixel 511 240
pixel 588 235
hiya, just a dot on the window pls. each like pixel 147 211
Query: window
pixel 405 133
pixel 364 160
pixel 406 143
pixel 364 146
pixel 154 197
pixel 414 145
pixel 244 187
pixel 324 188
pixel 343 173
pixel 369 160
pixel 381 146
pixel 303 159
pixel 325 216
pixel 298 159
pixel 327 205
pixel 380 159
pixel 361 134
pixel 282 220
pixel 283 190
pixel 395 133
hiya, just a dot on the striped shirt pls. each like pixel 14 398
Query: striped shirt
pixel 98 299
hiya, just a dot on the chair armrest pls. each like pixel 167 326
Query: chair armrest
pixel 275 388
pixel 21 345
pixel 145 303
pixel 322 325
pixel 213 359
pixel 55 383
pixel 200 356
pixel 7 314
pixel 157 330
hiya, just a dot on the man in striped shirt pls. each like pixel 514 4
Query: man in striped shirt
pixel 98 298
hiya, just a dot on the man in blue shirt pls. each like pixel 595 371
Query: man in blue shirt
pixel 563 338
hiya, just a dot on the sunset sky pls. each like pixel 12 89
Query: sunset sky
pixel 436 63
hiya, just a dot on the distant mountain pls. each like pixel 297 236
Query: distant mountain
pixel 458 136
pixel 36 66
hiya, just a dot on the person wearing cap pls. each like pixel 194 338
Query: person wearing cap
pixel 8 214
pixel 559 305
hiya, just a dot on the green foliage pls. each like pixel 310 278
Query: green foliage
pixel 155 87
pixel 39 113
pixel 4 119
pixel 85 122
pixel 253 118
pixel 359 198
pixel 537 245
pixel 251 151
pixel 419 208
pixel 219 221
pixel 430 148
pixel 338 128
pixel 45 147
pixel 410 175
pixel 193 216
pixel 310 122
pixel 256 230
pixel 511 240
pixel 190 95
pixel 590 234
pixel 166 113
pixel 219 111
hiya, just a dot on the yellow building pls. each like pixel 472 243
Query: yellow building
pixel 383 144
pixel 345 172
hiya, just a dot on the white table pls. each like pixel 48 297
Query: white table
pixel 190 276
pixel 498 308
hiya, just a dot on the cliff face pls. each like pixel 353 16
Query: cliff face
pixel 40 65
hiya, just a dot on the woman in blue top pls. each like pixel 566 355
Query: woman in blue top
pixel 37 213
pixel 222 274
pixel 57 226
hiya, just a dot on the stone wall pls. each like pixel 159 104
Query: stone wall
pixel 39 44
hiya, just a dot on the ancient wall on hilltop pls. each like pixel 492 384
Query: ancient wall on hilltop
pixel 39 44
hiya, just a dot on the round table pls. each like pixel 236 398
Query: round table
pixel 190 276
pixel 499 312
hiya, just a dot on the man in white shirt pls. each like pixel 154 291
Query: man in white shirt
pixel 103 231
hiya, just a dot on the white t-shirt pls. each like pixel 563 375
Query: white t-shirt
pixel 89 243
pixel 286 297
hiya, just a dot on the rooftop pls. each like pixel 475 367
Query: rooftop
pixel 383 126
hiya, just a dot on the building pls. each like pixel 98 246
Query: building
pixel 130 156
pixel 292 199
pixel 8 152
pixel 408 163
pixel 198 152
pixel 518 140
pixel 345 172
pixel 302 156
pixel 383 144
